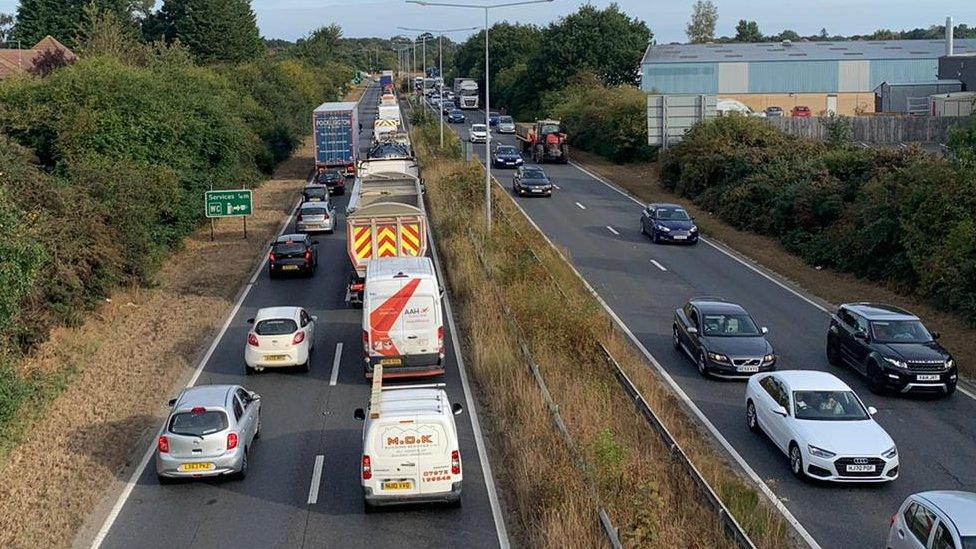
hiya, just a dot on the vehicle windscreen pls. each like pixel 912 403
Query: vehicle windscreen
pixel 899 331
pixel 198 424
pixel 313 211
pixel 478 128
pixel 729 325
pixel 315 192
pixel 334 176
pixel 550 128
pixel 505 120
pixel 456 112
pixel 535 175
pixel 673 214
pixel 275 327
pixel 505 150
pixel 828 406
pixel 289 248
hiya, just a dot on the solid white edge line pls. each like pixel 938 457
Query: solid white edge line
pixel 335 364
pixel 130 484
pixel 496 510
pixel 313 488
pixel 658 265
pixel 612 230
pixel 582 207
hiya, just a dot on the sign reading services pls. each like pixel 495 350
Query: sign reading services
pixel 232 203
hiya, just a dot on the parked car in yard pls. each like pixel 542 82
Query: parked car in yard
pixel 722 338
pixel 891 348
pixel 315 217
pixel 456 117
pixel 506 156
pixel 209 432
pixel 824 428
pixel 774 112
pixel 940 519
pixel 531 181
pixel 668 223
pixel 293 253
pixel 478 133
pixel 801 111
pixel 506 124
pixel 280 337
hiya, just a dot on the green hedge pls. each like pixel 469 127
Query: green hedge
pixel 903 217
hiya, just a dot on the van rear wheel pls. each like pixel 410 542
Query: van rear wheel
pixel 368 507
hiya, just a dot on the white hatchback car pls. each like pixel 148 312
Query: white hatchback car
pixel 478 133
pixel 280 337
pixel 824 428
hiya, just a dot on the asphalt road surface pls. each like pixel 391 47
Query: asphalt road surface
pixel 643 283
pixel 305 416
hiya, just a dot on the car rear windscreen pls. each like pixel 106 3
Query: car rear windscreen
pixel 198 423
pixel 315 191
pixel 275 326
pixel 313 211
pixel 289 247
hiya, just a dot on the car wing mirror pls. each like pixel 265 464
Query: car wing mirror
pixel 315 317
pixel 692 330
pixel 778 410
pixel 359 414
pixel 456 408
pixel 172 401
pixel 250 321
pixel 861 335
pixel 764 330
pixel 872 410
pixel 935 335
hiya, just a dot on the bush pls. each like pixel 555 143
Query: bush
pixel 902 217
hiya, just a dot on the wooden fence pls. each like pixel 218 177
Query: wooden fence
pixel 877 129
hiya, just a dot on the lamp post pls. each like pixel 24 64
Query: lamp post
pixel 487 8
pixel 440 60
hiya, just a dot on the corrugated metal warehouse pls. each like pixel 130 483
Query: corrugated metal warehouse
pixel 825 76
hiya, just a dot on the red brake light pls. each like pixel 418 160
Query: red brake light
pixel 231 441
pixel 252 339
pixel 358 286
pixel 367 468
pixel 894 518
pixel 440 340
pixel 455 462
pixel 308 256
pixel 163 445
pixel 271 257
pixel 198 410
pixel 299 337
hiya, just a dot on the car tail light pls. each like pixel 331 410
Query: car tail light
pixel 367 468
pixel 163 445
pixel 198 410
pixel 326 217
pixel 455 462
pixel 366 341
pixel 252 339
pixel 358 287
pixel 308 256
pixel 299 337
pixel 894 518
pixel 231 441
pixel 271 257
pixel 440 340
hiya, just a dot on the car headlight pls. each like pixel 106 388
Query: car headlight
pixel 949 364
pixel 663 228
pixel 820 452
pixel 718 357
pixel 890 452
pixel 694 229
pixel 896 363
pixel 769 358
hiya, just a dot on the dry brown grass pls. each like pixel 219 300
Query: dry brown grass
pixel 651 500
pixel 643 180
pixel 129 355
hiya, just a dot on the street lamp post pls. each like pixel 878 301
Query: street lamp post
pixel 487 8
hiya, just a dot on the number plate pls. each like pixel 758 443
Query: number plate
pixel 680 236
pixel 748 369
pixel 289 267
pixel 188 467
pixel 398 485
pixel 391 361
pixel 275 358
pixel 928 377
pixel 859 468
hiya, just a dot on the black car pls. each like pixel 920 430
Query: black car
pixel 456 116
pixel 668 223
pixel 493 118
pixel 293 253
pixel 506 156
pixel 315 193
pixel 334 180
pixel 722 338
pixel 891 348
pixel 448 107
pixel 531 181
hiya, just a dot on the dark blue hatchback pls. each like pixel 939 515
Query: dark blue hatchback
pixel 668 223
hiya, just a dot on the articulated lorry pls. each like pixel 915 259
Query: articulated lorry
pixel 385 217
pixel 466 92
pixel 336 135
pixel 544 140
pixel 386 81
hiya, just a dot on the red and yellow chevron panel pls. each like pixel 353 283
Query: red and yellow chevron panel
pixel 363 244
pixel 386 245
pixel 410 239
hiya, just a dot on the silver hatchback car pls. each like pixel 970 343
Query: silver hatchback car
pixel 209 432
pixel 315 217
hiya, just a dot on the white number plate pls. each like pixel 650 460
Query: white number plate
pixel 748 369
pixel 860 468
pixel 680 236
pixel 928 377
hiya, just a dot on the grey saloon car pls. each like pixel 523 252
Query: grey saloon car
pixel 208 433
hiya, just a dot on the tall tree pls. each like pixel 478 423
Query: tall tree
pixel 61 18
pixel 213 30
pixel 320 45
pixel 704 17
pixel 747 31
pixel 6 25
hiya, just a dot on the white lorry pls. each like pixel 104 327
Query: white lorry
pixel 466 93
pixel 411 452
pixel 403 321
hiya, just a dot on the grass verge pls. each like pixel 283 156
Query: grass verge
pixel 650 499
pixel 643 181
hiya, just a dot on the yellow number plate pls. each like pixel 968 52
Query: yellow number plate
pixel 391 361
pixel 197 467
pixel 276 358
pixel 289 267
pixel 398 485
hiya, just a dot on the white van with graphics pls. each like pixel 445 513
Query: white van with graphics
pixel 410 447
pixel 403 322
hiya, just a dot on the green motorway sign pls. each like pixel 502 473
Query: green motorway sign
pixel 233 203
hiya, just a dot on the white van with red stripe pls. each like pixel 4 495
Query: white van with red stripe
pixel 403 321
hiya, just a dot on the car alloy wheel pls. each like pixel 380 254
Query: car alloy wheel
pixel 796 461
pixel 751 419
pixel 674 337
pixel 702 365
pixel 242 474
pixel 875 385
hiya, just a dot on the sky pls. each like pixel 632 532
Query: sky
pixel 291 19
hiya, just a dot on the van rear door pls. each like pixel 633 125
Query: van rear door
pixel 418 325
pixel 395 447
pixel 435 456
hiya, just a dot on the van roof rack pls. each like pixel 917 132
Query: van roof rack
pixel 376 391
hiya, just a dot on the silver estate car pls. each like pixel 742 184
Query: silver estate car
pixel 209 432
pixel 315 217
pixel 505 125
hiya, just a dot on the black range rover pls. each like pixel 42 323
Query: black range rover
pixel 891 348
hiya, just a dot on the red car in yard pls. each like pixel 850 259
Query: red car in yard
pixel 801 111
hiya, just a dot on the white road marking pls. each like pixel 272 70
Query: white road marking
pixel 130 484
pixel 313 489
pixel 612 230
pixel 335 364
pixel 582 207
pixel 658 265
pixel 557 187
